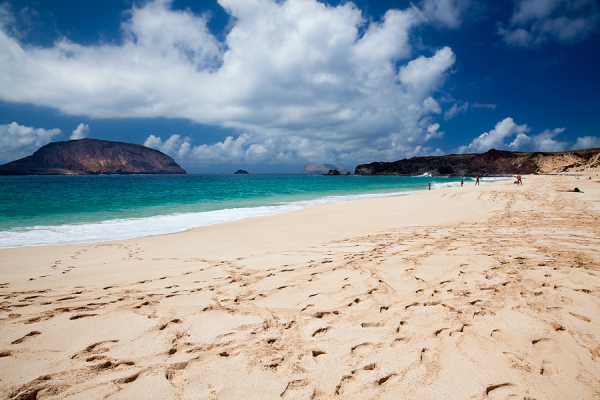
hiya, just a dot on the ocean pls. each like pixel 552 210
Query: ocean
pixel 48 210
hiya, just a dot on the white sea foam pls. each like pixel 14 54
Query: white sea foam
pixel 139 227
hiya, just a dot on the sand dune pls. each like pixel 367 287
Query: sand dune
pixel 460 293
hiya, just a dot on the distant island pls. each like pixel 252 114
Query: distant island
pixel 490 163
pixel 93 157
pixel 241 172
pixel 335 172
pixel 323 169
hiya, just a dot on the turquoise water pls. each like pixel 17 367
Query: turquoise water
pixel 71 209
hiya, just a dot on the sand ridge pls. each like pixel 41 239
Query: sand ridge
pixel 499 300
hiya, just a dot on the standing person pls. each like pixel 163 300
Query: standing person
pixel 461 183
pixel 477 181
pixel 430 186
pixel 519 181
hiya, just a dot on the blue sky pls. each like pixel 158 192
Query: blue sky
pixel 270 86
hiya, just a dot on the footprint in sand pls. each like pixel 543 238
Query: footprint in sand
pixel 345 384
pixel 400 341
pixel 492 388
pixel 293 387
pixel 94 349
pixel 173 321
pixel 372 324
pixel 581 317
pixel 439 331
pixel 548 368
pixel 127 379
pixel 384 379
pixel 536 341
pixel 319 356
pixel 79 316
pixel 558 327
pixel 426 355
pixel 400 325
pixel 362 348
pixel 26 337
pixel 320 331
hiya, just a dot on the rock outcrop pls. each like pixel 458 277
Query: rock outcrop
pixel 241 172
pixel 490 163
pixel 322 169
pixel 92 156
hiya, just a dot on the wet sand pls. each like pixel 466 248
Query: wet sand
pixel 461 293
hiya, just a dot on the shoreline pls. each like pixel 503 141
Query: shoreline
pixel 473 292
pixel 132 228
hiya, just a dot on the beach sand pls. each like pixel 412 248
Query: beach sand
pixel 459 293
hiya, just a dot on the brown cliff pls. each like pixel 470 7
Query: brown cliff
pixel 490 163
pixel 92 156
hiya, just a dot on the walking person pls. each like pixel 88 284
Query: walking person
pixel 477 181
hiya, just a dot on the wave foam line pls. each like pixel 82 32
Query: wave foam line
pixel 121 229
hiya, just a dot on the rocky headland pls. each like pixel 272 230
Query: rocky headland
pixel 93 157
pixel 323 169
pixel 490 163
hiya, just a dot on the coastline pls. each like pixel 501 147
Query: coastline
pixel 472 292
pixel 151 225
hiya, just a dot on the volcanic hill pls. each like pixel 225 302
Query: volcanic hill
pixel 93 157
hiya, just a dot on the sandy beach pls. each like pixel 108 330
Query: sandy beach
pixel 478 292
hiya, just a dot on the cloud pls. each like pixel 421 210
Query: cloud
pixel 535 22
pixel 455 110
pixel 423 74
pixel 479 105
pixel 286 73
pixel 446 12
pixel 494 139
pixel 520 141
pixel 17 141
pixel 433 132
pixel 174 146
pixel 80 132
pixel 544 141
pixel 587 142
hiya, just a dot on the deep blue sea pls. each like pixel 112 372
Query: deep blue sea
pixel 43 210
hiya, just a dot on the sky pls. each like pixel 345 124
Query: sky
pixel 270 86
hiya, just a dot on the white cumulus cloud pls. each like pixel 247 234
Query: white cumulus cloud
pixel 544 141
pixel 535 22
pixel 18 141
pixel 80 132
pixel 288 73
pixel 174 146
pixel 434 132
pixel 587 142
pixel 494 139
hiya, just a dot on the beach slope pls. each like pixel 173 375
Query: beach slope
pixel 460 293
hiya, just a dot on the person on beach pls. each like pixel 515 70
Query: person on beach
pixel 519 181
pixel 461 183
pixel 576 190
pixel 429 186
pixel 477 181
